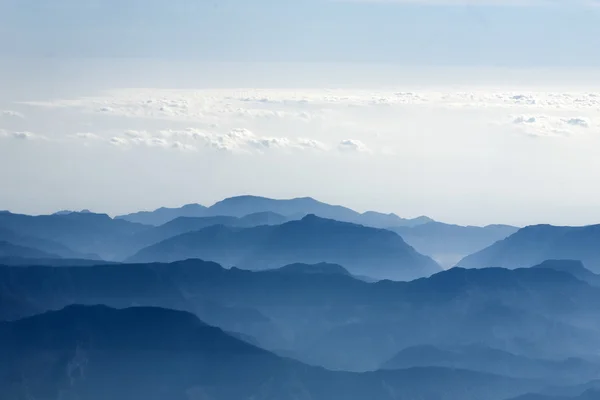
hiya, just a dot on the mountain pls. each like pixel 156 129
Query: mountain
pixel 534 244
pixel 45 245
pixel 95 352
pixel 10 250
pixel 447 243
pixel 380 220
pixel 163 215
pixel 182 225
pixel 299 207
pixel 290 209
pixel 321 268
pixel 364 251
pixel 85 233
pixel 120 286
pixel 52 262
pixel 335 320
pixel 573 267
pixel 486 359
pixel 591 394
pixel 65 212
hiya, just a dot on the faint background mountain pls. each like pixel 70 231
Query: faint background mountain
pixel 534 244
pixel 9 250
pixel 447 244
pixel 163 215
pixel 89 235
pixel 297 208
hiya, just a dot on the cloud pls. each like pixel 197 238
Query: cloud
pixel 311 144
pixel 85 136
pixel 21 135
pixel 118 141
pixel 238 140
pixel 183 147
pixel 548 126
pixel 136 134
pixel 241 107
pixel 25 135
pixel 582 122
pixel 11 114
pixel 353 145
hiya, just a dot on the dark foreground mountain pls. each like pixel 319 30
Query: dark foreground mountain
pixel 297 208
pixel 535 244
pixel 93 353
pixel 364 251
pixel 335 320
pixel 447 243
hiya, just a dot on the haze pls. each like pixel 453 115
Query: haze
pixel 467 112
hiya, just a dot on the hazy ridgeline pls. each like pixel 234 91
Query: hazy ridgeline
pixel 254 298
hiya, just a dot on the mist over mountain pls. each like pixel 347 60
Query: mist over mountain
pixel 163 215
pixel 365 251
pixel 182 225
pixel 44 245
pixel 340 322
pixel 487 359
pixel 162 354
pixel 293 306
pixel 534 244
pixel 447 243
pixel 90 235
pixel 10 250
pixel 573 267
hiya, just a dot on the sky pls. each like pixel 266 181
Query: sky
pixel 470 112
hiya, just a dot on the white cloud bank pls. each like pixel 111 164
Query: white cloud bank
pixel 548 126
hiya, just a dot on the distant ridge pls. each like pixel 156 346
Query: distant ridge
pixel 534 244
pixel 296 208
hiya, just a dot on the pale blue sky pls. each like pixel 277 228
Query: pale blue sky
pixel 543 33
pixel 471 112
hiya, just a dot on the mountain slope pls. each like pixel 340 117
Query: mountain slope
pixel 163 215
pixel 447 243
pixel 299 207
pixel 364 251
pixel 96 352
pixel 534 244
pixel 10 250
pixel 573 267
pixel 183 225
pixel 85 233
pixel 45 245
pixel 486 359
pixel 337 321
